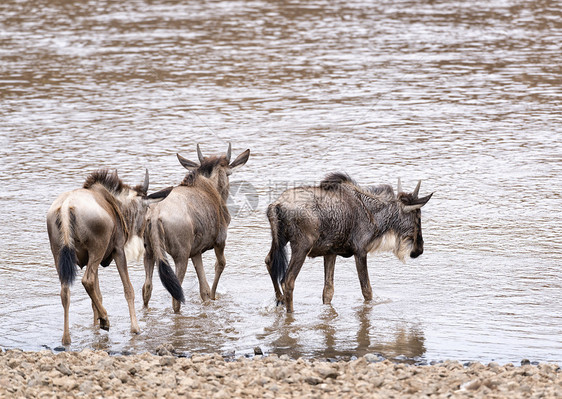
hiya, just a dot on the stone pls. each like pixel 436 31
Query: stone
pixel 122 376
pixel 377 382
pixel 167 361
pixel 87 387
pixel 372 358
pixel 63 369
pixel 95 374
pixel 472 385
pixel 325 372
pixel 313 380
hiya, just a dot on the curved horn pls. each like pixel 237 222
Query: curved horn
pixel 228 152
pixel 399 186
pixel 199 153
pixel 417 190
pixel 144 187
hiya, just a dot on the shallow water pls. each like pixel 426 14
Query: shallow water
pixel 463 95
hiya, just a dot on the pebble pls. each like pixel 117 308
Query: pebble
pixel 91 373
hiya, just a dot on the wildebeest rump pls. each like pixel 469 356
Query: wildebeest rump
pixel 340 218
pixel 94 225
pixel 192 219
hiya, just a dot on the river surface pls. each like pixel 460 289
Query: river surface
pixel 465 95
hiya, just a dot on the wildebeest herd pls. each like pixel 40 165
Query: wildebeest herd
pixel 107 220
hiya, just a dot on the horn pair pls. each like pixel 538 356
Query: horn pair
pixel 228 153
pixel 416 191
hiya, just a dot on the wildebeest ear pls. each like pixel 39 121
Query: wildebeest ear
pixel 159 195
pixel 240 160
pixel 416 203
pixel 186 163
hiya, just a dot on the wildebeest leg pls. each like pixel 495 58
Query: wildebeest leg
pixel 89 283
pixel 219 267
pixel 98 292
pixel 278 294
pixel 148 271
pixel 65 299
pixel 121 262
pixel 298 255
pixel 181 268
pixel 204 288
pixel 363 273
pixel 329 266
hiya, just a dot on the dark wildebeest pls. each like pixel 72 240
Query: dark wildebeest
pixel 340 218
pixel 94 225
pixel 191 220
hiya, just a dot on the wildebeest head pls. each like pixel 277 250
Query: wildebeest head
pixel 135 205
pixel 410 233
pixel 216 168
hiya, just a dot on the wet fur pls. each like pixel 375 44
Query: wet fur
pixel 193 219
pixel 91 226
pixel 340 218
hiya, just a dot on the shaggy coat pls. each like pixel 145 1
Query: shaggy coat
pixel 340 218
pixel 192 219
pixel 95 225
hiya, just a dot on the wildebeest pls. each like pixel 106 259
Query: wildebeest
pixel 191 220
pixel 94 225
pixel 340 218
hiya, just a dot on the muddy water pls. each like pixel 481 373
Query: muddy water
pixel 464 95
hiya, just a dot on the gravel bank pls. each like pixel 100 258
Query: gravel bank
pixel 96 374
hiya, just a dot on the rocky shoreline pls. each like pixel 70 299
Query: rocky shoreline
pixel 91 373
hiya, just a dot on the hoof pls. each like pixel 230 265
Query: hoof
pixel 104 324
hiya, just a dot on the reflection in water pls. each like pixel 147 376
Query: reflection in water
pixel 405 340
pixel 293 337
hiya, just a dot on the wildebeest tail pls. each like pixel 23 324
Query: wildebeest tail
pixel 66 220
pixel 167 276
pixel 170 280
pixel 278 255
pixel 67 265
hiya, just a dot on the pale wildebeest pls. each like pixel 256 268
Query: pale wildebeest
pixel 191 220
pixel 94 225
pixel 340 218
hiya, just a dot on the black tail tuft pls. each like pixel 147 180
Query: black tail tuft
pixel 279 260
pixel 170 280
pixel 67 265
pixel 279 263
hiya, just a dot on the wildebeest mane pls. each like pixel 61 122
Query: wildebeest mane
pixel 333 180
pixel 113 184
pixel 384 190
pixel 206 169
pixel 106 178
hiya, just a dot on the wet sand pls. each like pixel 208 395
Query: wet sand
pixel 90 373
